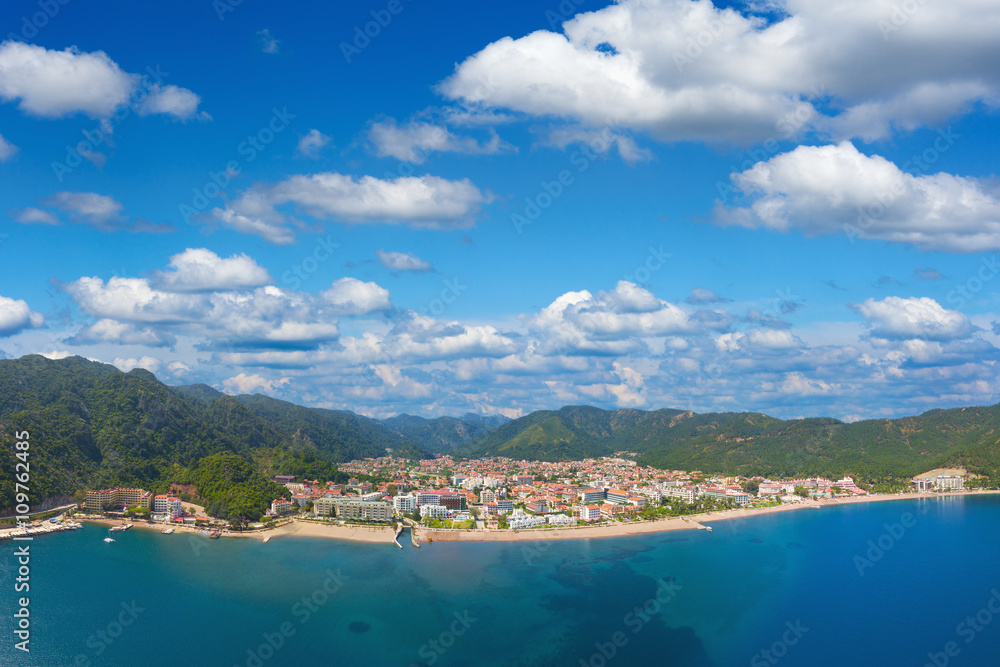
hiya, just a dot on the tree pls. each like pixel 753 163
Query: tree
pixel 239 513
pixel 751 486
pixel 80 497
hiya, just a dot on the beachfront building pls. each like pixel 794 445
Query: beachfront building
pixel 536 506
pixel 612 511
pixel 591 495
pixel 732 494
pixel 280 506
pixel 404 504
pixel 845 483
pixel 324 506
pixel 560 520
pixel 951 482
pixel 364 510
pixel 520 519
pixel 589 512
pixel 739 497
pixel 434 511
pixel 450 499
pixel 617 496
pixel 653 493
pixel 768 488
pixel 353 509
pixel 938 482
pixel 117 499
pixel 685 493
pixel 168 506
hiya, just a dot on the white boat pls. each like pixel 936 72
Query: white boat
pixel 109 539
pixel 167 531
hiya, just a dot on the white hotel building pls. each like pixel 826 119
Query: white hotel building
pixel 168 505
pixel 404 504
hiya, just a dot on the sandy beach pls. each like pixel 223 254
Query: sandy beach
pixel 295 527
pixel 357 533
pixel 386 534
pixel 690 522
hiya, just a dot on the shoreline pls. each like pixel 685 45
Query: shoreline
pixel 689 522
pixel 293 528
pixel 386 535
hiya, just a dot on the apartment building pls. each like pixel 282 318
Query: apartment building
pixel 404 504
pixel 280 506
pixel 117 499
pixel 353 509
pixel 169 506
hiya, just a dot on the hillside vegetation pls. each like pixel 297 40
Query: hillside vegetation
pixel 93 426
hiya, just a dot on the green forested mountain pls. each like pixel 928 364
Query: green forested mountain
pixel 754 443
pixel 341 434
pixel 92 426
pixel 442 434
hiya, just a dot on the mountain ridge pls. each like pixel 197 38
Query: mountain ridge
pixel 94 426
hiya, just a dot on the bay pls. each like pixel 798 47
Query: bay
pixel 886 583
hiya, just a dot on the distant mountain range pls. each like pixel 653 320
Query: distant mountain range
pixel 750 443
pixel 94 426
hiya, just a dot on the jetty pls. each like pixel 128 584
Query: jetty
pixel 38 529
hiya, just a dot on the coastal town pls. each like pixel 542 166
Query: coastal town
pixel 501 496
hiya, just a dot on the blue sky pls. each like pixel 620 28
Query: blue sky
pixel 789 208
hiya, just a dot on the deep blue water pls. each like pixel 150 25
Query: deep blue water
pixel 800 585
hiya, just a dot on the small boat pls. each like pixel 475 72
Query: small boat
pixel 109 539
pixel 708 528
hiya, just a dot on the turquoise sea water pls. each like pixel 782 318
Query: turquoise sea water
pixel 807 587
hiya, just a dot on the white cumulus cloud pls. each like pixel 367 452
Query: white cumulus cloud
pixel 919 317
pixel 16 316
pixel 413 141
pixel 836 189
pixel 244 384
pixel 689 70
pixel 53 84
pixel 201 270
pixel 418 201
pixel 350 296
